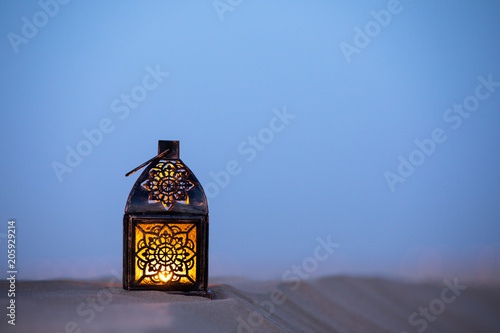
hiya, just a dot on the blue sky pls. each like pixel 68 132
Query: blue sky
pixel 224 70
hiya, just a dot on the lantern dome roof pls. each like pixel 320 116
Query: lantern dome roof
pixel 167 186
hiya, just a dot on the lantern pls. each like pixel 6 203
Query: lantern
pixel 165 228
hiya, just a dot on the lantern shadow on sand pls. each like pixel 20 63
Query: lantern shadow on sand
pixel 165 228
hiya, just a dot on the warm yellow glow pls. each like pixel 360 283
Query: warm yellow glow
pixel 165 276
pixel 165 253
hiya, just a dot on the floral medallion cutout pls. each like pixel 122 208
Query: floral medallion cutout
pixel 165 253
pixel 168 183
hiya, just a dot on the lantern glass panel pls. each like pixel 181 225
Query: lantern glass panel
pixel 165 253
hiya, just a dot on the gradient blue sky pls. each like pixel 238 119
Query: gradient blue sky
pixel 323 174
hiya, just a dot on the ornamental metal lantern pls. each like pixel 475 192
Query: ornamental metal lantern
pixel 165 228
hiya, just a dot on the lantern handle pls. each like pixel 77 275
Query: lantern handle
pixel 147 162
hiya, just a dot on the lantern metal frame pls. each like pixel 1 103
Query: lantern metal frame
pixel 165 228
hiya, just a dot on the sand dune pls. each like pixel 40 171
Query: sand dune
pixel 333 304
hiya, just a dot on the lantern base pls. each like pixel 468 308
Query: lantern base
pixel 206 294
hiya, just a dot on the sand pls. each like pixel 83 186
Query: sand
pixel 332 304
